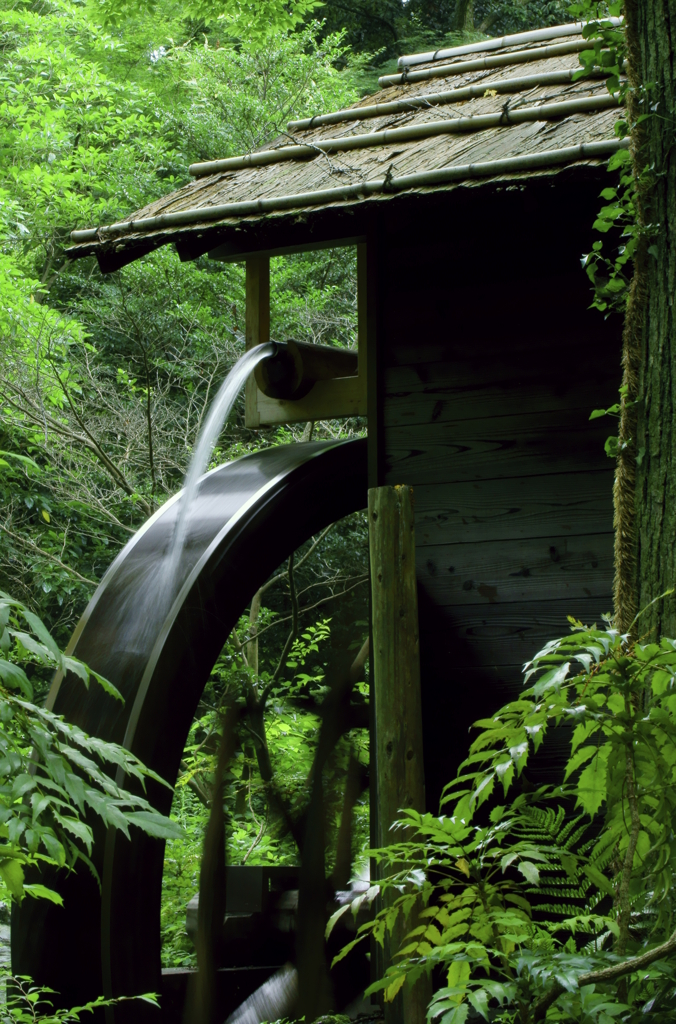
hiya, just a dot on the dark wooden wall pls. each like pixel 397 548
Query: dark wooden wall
pixel 488 365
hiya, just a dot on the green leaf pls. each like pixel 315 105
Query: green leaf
pixel 78 829
pixel 155 824
pixel 612 410
pixel 393 988
pixel 42 633
pixel 552 679
pixel 458 973
pixel 15 678
pixel 43 893
pixel 591 788
pixel 106 685
pixel 479 1000
pixel 12 875
pixel 598 878
pixel 579 758
pixel 458 1015
pixel 530 872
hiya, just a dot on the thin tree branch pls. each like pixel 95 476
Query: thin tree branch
pixel 292 633
pixel 114 471
pixel 149 420
pixel 624 915
pixel 283 575
pixel 312 607
pixel 196 788
pixel 46 554
pixel 636 963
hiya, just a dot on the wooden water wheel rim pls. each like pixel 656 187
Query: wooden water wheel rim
pixel 249 516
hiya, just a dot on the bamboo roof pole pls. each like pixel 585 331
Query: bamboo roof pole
pixel 467 92
pixel 499 60
pixel 498 43
pixel 410 133
pixel 423 179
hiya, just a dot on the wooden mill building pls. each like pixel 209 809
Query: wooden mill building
pixel 469 184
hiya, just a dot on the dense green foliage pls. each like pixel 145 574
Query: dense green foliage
pixel 559 902
pixel 283 685
pixel 51 773
pixel 388 28
pixel 26 1003
pixel 104 382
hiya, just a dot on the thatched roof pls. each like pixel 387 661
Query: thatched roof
pixel 498 109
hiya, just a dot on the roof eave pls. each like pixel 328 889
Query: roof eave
pixel 300 230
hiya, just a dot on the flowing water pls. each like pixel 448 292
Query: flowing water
pixel 154 597
pixel 218 413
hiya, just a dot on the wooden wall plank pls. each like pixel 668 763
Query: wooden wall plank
pixel 499 572
pixel 422 346
pixel 509 634
pixel 533 506
pixel 492 364
pixel 463 393
pixel 495 448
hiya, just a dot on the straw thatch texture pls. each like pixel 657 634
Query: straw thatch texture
pixel 324 171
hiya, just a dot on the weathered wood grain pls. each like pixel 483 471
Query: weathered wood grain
pixel 461 317
pixel 395 655
pixel 457 338
pixel 567 504
pixel 257 326
pixel 509 634
pixel 499 572
pixel 465 392
pixel 396 692
pixel 492 364
pixel 560 441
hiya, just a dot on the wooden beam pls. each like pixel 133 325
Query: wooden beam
pixel 234 252
pixel 362 329
pixel 328 399
pixel 395 668
pixel 257 330
pixel 369 260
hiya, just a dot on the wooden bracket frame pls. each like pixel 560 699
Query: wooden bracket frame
pixel 328 399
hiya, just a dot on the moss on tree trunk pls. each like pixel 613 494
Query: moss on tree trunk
pixel 650 330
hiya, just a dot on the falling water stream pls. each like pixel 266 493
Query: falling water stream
pixel 218 413
pixel 154 597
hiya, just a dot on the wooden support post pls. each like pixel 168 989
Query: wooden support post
pixel 257 330
pixel 395 666
pixel 372 287
pixel 362 330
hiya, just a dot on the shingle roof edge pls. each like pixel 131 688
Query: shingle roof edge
pixel 387 184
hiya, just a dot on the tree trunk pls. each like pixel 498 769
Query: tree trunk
pixel 464 16
pixel 651 38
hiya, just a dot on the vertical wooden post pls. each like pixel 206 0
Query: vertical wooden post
pixel 257 330
pixel 362 331
pixel 395 666
pixel 369 271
